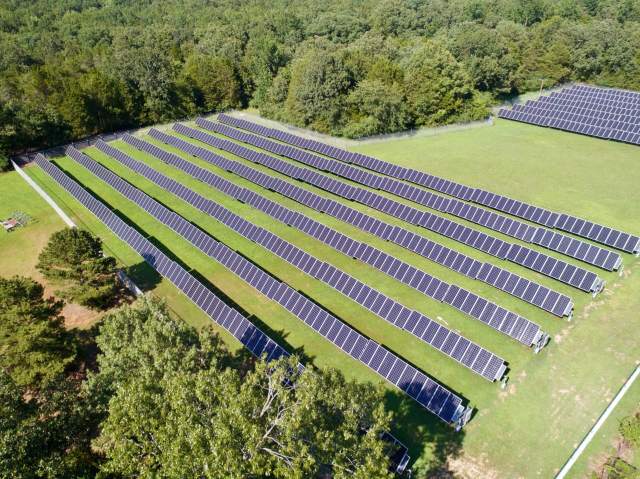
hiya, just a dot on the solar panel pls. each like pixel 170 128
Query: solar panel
pixel 463 192
pixel 458 208
pixel 412 241
pixel 252 337
pixel 243 268
pixel 533 336
pixel 438 224
pixel 191 287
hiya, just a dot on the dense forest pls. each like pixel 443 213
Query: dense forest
pixel 72 68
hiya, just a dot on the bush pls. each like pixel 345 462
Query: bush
pixel 5 165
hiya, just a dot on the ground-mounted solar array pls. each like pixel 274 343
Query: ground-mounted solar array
pixel 379 270
pixel 502 279
pixel 331 181
pixel 542 216
pixel 601 112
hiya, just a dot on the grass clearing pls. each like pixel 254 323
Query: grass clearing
pixel 553 398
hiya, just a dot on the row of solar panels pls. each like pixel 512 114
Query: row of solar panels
pixel 603 106
pixel 450 343
pixel 571 224
pixel 504 280
pixel 631 97
pixel 559 242
pixel 560 270
pixel 240 327
pixel 572 122
pixel 589 108
pixel 437 399
pixel 475 306
pixel 593 118
pixel 236 324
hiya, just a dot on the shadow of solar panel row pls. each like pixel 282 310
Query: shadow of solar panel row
pixel 439 337
pixel 434 397
pixel 559 242
pixel 251 337
pixel 542 296
pixel 557 269
pixel 239 326
pixel 475 306
pixel 602 234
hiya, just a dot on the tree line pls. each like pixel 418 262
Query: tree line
pixel 143 394
pixel 73 68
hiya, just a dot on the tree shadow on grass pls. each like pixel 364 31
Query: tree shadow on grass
pixel 143 275
pixel 431 442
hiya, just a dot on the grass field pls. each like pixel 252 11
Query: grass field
pixel 527 430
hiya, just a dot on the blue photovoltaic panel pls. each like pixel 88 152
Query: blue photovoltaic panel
pixel 588 281
pixel 576 249
pixel 227 317
pixel 551 301
pixel 243 268
pixel 617 239
pixel 529 334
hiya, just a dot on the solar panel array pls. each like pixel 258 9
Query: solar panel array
pixel 555 241
pixel 560 270
pixel 432 396
pixel 452 344
pixel 604 113
pixel 249 335
pixel 580 227
pixel 230 319
pixel 475 306
pixel 504 280
pixel 564 272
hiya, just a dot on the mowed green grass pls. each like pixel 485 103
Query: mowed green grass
pixel 19 249
pixel 531 430
pixel 552 396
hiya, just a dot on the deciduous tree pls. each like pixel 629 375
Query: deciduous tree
pixel 177 410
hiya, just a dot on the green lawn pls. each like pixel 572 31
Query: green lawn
pixel 527 430
pixel 19 249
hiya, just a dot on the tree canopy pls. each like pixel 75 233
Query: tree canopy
pixel 74 257
pixel 176 408
pixel 79 67
pixel 35 349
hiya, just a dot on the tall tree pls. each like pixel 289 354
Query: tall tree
pixel 34 346
pixel 436 85
pixel 48 435
pixel 75 257
pixel 177 410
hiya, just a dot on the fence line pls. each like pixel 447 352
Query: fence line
pixel 44 196
pixel 603 417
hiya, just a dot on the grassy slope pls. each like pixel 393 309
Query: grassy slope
pixel 550 406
